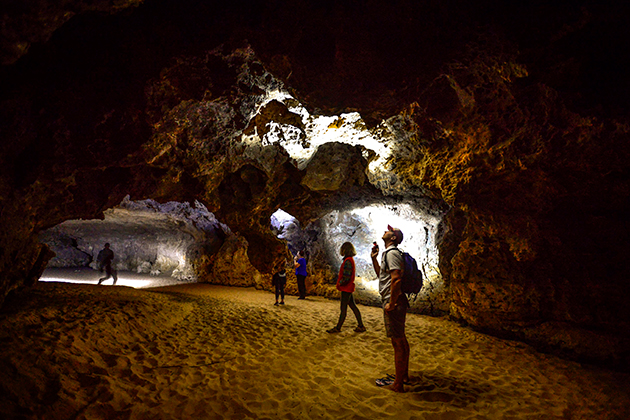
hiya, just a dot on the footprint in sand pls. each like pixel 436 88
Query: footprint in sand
pixel 153 349
pixel 110 360
pixel 435 396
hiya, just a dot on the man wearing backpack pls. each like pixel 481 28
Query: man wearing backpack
pixel 395 305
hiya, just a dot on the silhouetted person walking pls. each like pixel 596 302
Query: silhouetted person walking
pixel 104 261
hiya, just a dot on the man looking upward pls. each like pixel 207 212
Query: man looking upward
pixel 395 304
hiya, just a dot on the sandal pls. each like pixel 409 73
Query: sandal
pixel 359 329
pixel 393 378
pixel 333 330
pixel 386 381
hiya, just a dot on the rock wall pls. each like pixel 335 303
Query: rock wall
pixel 322 240
pixel 514 164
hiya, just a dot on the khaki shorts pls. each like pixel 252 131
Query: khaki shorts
pixel 395 319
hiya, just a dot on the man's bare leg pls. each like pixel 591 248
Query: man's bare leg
pixel 406 352
pixel 401 362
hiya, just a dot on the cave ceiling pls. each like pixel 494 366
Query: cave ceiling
pixel 509 118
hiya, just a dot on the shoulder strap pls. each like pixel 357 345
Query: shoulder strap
pixel 386 251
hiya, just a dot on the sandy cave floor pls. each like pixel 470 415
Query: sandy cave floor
pixel 196 351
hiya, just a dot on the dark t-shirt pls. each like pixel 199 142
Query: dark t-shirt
pixel 279 279
pixel 105 258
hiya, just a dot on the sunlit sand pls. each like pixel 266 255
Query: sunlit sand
pixel 89 276
pixel 197 351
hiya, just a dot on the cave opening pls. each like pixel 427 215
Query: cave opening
pixel 322 239
pixel 153 243
pixel 158 244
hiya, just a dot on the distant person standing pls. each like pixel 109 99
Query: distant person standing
pixel 345 284
pixel 299 262
pixel 279 281
pixel 104 261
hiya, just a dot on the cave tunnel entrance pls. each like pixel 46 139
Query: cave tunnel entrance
pixel 322 239
pixel 154 244
pixel 160 244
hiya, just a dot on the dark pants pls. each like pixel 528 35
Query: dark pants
pixel 110 272
pixel 280 290
pixel 301 281
pixel 348 300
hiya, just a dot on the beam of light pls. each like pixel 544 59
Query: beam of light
pixel 377 217
pixel 136 283
pixel 370 285
pixel 283 217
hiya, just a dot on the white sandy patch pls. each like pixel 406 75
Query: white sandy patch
pixel 86 275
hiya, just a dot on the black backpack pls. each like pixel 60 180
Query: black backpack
pixel 412 276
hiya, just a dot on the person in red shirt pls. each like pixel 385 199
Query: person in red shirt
pixel 345 284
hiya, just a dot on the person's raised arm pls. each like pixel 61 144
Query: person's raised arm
pixel 375 264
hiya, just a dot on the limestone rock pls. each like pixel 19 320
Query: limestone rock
pixel 232 266
pixel 334 165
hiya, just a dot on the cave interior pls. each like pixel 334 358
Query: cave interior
pixel 210 140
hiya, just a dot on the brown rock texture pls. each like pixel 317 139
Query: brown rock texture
pixel 232 266
pixel 333 166
pixel 511 117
